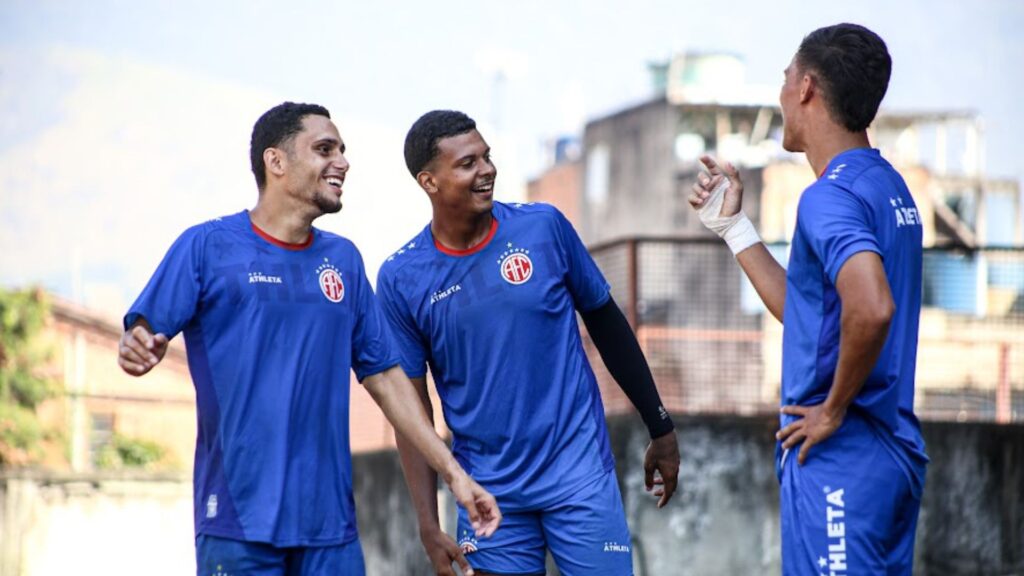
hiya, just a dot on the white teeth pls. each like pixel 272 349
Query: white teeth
pixel 334 182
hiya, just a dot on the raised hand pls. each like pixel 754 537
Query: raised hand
pixel 717 196
pixel 718 193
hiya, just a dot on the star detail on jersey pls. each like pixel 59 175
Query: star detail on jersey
pixel 330 282
pixel 515 265
pixel 835 172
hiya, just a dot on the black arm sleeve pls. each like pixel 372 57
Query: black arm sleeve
pixel 619 349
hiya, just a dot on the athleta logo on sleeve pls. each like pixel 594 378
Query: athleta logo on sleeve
pixel 515 265
pixel 904 216
pixel 330 282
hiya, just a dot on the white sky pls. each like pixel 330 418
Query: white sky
pixel 125 122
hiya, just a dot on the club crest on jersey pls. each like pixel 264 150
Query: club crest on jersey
pixel 330 282
pixel 468 544
pixel 515 265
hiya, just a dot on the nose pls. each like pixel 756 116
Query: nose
pixel 341 163
pixel 489 169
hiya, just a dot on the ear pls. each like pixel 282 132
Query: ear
pixel 808 88
pixel 276 161
pixel 427 181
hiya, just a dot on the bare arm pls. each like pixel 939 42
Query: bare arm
pixel 403 407
pixel 140 350
pixel 422 482
pixel 867 310
pixel 419 476
pixel 767 276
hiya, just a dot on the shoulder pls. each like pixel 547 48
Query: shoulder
pixel 336 241
pixel 412 254
pixel 856 171
pixel 525 210
pixel 196 236
pixel 531 214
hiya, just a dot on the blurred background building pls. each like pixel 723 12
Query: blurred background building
pixel 711 343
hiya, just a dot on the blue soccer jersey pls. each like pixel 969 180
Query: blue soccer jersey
pixel 272 331
pixel 497 326
pixel 859 204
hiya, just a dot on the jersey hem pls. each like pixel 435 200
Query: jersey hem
pixel 340 540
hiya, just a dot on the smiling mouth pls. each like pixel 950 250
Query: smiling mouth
pixel 484 189
pixel 335 182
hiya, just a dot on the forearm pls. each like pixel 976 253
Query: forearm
pixel 402 406
pixel 419 476
pixel 622 355
pixel 767 276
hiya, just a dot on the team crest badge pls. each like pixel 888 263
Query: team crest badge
pixel 468 544
pixel 330 281
pixel 515 265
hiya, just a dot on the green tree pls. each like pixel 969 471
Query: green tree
pixel 22 383
pixel 127 452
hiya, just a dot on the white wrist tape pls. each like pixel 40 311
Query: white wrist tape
pixel 737 230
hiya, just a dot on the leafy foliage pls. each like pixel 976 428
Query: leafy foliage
pixel 125 452
pixel 22 385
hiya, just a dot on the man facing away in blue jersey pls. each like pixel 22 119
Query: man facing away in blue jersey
pixel 486 295
pixel 849 302
pixel 275 314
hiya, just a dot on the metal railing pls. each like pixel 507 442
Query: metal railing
pixel 713 348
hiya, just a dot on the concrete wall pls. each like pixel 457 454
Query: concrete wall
pixel 84 524
pixel 723 520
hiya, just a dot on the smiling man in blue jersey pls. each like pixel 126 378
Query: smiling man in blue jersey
pixel 486 295
pixel 275 314
pixel 850 457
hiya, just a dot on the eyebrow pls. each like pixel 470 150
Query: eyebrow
pixel 331 141
pixel 484 153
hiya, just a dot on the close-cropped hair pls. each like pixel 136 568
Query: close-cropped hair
pixel 421 141
pixel 853 66
pixel 274 129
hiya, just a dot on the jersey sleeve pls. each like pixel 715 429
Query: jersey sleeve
pixel 170 298
pixel 587 285
pixel 372 348
pixel 412 348
pixel 837 224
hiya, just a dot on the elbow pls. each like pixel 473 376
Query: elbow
pixel 871 319
pixel 883 311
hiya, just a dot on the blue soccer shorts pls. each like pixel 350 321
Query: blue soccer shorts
pixel 586 534
pixel 225 557
pixel 851 509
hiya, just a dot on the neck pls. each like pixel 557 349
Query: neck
pixel 461 233
pixel 274 215
pixel 831 140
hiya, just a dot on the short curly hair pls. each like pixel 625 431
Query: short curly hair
pixel 275 127
pixel 421 141
pixel 853 65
